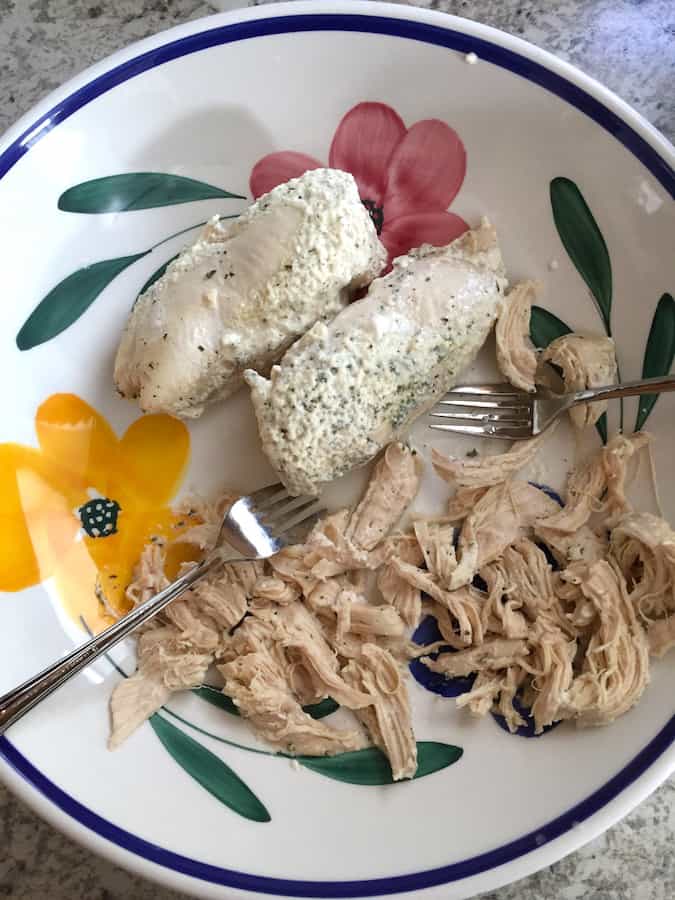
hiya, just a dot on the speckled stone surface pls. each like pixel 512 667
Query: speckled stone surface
pixel 629 45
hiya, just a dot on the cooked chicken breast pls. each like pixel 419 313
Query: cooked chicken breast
pixel 246 290
pixel 586 361
pixel 516 357
pixel 348 388
pixel 484 471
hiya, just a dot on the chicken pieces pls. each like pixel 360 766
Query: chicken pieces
pixel 516 357
pixel 586 361
pixel 566 641
pixel 244 291
pixel 348 388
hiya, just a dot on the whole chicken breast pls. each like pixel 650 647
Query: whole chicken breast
pixel 348 388
pixel 245 290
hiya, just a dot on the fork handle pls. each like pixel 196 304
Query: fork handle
pixel 626 389
pixel 17 702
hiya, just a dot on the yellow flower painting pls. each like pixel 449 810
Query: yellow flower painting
pixel 80 507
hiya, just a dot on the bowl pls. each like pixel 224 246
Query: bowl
pixel 100 185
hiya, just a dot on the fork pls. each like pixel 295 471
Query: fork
pixel 255 527
pixel 502 411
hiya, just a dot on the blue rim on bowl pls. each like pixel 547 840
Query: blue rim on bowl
pixel 450 38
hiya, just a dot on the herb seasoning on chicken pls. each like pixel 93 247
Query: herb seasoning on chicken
pixel 247 288
pixel 348 388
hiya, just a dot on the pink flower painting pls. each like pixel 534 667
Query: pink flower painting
pixel 407 177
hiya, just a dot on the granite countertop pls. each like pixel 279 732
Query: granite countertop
pixel 629 45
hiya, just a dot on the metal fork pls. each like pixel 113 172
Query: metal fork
pixel 255 527
pixel 502 411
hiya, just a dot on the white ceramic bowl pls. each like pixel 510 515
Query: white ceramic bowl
pixel 207 101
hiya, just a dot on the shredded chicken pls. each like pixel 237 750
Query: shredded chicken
pixel 606 471
pixel 495 691
pixel 298 632
pixel 405 598
pixel 290 565
pixel 166 663
pixel 388 719
pixel 447 625
pixel 436 542
pixel 332 617
pixel 462 604
pixel 259 680
pixel 585 361
pixel 661 636
pixel 149 577
pixel 529 576
pixel 463 502
pixel 568 644
pixel 551 662
pixel 393 485
pixel 553 611
pixel 516 357
pixel 485 471
pixel 501 614
pixel 583 544
pixel 496 654
pixel 270 589
pixel 208 518
pixel 615 669
pixel 505 513
pixel 132 702
pixel 644 547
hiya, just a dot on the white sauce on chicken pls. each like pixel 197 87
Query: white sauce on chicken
pixel 349 387
pixel 245 290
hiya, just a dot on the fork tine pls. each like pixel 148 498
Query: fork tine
pixel 309 511
pixel 507 433
pixel 484 404
pixel 297 533
pixel 503 416
pixel 266 495
pixel 273 500
pixel 502 388
pixel 271 514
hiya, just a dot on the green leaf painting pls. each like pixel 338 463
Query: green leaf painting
pixel 659 353
pixel 217 698
pixel 370 766
pixel 432 756
pixel 137 190
pixel 209 771
pixel 322 709
pixel 66 302
pixel 584 243
pixel 545 327
pixel 601 427
pixel 157 274
pixel 362 767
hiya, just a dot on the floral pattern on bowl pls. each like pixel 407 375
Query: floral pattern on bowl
pixel 80 508
pixel 407 177
pixel 88 490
